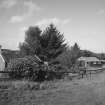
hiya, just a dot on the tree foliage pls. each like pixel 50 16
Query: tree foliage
pixel 52 42
pixel 47 44
pixel 31 44
pixel 69 56
pixel 75 53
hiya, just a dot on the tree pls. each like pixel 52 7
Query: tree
pixel 102 56
pixel 33 39
pixel 65 58
pixel 69 56
pixel 52 42
pixel 31 45
pixel 47 44
pixel 75 53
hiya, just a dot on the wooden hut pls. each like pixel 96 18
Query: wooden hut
pixel 89 62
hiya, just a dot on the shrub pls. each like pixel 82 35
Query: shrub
pixel 56 71
pixel 28 68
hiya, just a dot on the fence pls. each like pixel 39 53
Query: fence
pixel 81 73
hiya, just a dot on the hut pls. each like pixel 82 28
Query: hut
pixel 89 62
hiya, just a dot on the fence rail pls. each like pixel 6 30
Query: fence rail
pixel 88 71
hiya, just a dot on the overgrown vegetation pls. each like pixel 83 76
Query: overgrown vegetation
pixel 37 48
pixel 47 45
pixel 23 68
pixel 40 47
pixel 69 56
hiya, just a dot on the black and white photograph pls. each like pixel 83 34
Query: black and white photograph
pixel 52 52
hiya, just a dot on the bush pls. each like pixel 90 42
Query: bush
pixel 28 68
pixel 56 71
pixel 23 68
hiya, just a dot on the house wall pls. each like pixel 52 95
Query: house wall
pixel 89 64
pixel 2 62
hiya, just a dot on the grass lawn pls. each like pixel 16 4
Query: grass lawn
pixel 85 91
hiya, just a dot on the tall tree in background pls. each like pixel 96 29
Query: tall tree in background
pixel 65 58
pixel 75 53
pixel 52 42
pixel 31 44
pixel 69 56
pixel 47 45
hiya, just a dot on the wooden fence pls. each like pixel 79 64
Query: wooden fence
pixel 88 72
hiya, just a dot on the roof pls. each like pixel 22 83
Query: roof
pixel 88 59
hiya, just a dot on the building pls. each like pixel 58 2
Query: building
pixel 89 62
pixel 2 61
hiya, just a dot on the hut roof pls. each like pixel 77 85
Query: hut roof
pixel 88 59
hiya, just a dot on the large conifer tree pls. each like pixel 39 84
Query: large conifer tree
pixel 52 42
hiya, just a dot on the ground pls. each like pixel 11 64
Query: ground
pixel 86 91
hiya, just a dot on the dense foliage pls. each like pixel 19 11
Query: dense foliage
pixel 31 69
pixel 47 44
pixel 69 56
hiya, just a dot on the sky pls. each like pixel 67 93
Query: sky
pixel 81 21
